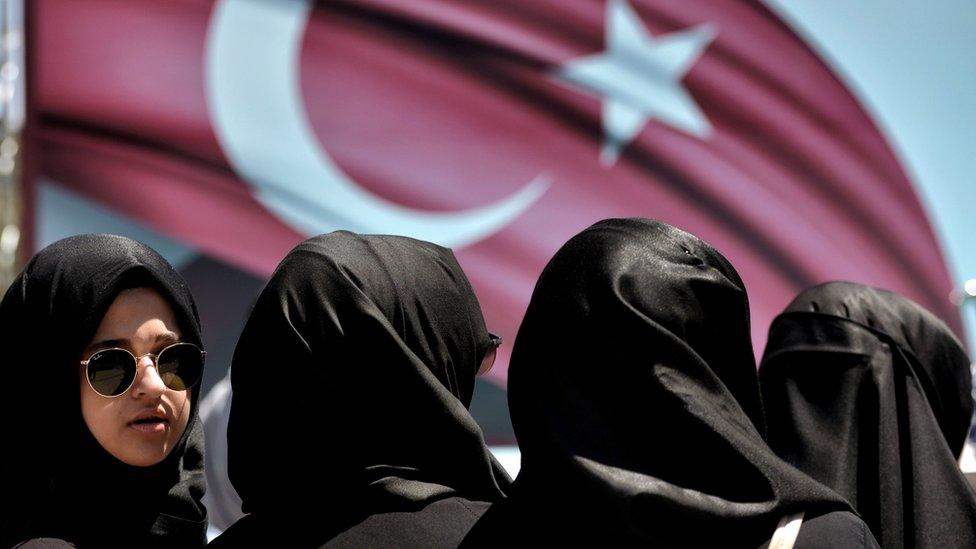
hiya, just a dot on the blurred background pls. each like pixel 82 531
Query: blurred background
pixel 807 140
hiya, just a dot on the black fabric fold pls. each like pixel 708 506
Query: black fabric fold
pixel 57 479
pixel 351 383
pixel 871 394
pixel 636 404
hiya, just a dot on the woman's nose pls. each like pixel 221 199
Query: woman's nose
pixel 147 382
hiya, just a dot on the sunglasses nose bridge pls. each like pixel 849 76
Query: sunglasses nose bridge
pixel 146 360
pixel 147 380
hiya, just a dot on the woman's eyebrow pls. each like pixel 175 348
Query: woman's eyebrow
pixel 105 343
pixel 124 343
pixel 167 337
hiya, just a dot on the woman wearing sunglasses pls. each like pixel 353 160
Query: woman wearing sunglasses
pixel 101 355
pixel 349 424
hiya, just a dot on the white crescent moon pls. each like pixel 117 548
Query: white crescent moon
pixel 257 111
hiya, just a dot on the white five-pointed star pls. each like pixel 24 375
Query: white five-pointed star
pixel 639 78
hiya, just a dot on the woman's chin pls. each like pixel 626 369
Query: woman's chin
pixel 143 453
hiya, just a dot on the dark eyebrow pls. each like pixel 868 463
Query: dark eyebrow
pixel 165 337
pixel 108 343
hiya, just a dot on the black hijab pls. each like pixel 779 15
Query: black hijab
pixel 871 394
pixel 58 481
pixel 351 383
pixel 635 401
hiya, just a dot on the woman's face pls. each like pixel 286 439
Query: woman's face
pixel 140 321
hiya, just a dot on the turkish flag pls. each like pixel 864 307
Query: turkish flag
pixel 243 126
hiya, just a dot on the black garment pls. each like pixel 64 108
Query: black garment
pixel 434 523
pixel 870 394
pixel 351 383
pixel 45 543
pixel 57 479
pixel 525 522
pixel 837 529
pixel 635 402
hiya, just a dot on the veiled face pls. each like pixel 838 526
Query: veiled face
pixel 143 425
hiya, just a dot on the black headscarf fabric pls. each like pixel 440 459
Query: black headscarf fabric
pixel 871 394
pixel 57 479
pixel 351 383
pixel 635 400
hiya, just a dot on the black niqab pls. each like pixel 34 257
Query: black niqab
pixel 351 383
pixel 635 401
pixel 871 394
pixel 58 481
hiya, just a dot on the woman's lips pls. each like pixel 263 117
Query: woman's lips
pixel 151 425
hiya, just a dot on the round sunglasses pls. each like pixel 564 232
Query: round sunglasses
pixel 111 372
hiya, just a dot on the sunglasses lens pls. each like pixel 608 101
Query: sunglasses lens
pixel 180 366
pixel 111 371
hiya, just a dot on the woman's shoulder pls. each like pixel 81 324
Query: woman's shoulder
pixel 441 523
pixel 836 529
pixel 44 543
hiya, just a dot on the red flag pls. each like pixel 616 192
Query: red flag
pixel 726 125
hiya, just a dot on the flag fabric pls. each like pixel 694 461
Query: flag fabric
pixel 499 127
